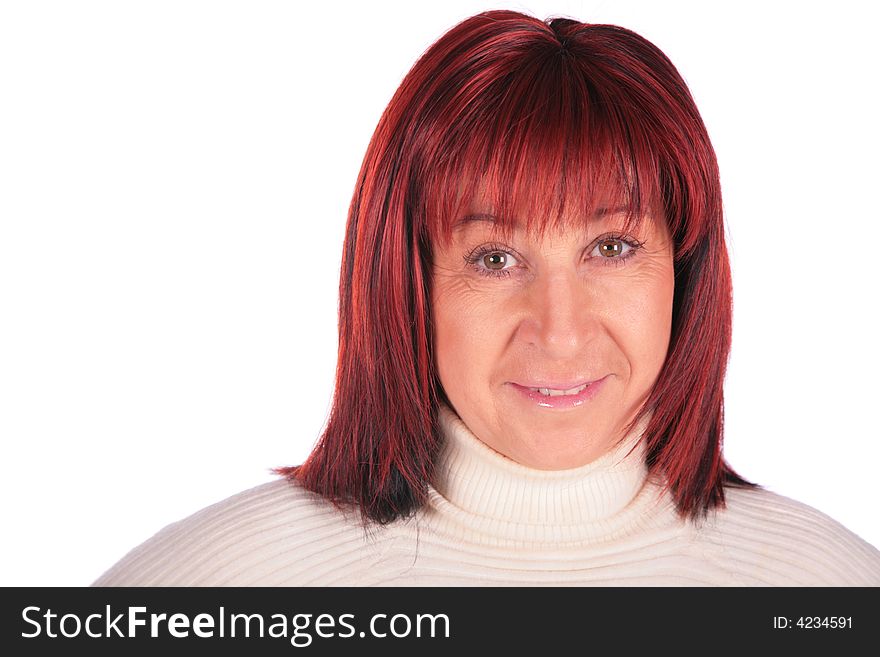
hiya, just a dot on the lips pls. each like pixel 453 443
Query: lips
pixel 567 383
pixel 559 397
pixel 556 392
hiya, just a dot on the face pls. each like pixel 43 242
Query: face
pixel 591 305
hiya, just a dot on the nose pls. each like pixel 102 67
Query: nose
pixel 560 314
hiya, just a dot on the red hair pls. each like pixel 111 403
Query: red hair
pixel 543 116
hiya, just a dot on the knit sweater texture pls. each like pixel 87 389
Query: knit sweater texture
pixel 490 521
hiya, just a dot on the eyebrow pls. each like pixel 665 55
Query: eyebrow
pixel 492 219
pixel 471 218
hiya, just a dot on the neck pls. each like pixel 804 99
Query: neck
pixel 476 488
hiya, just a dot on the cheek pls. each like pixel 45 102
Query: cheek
pixel 467 334
pixel 645 325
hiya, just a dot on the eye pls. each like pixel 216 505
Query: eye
pixel 497 260
pixel 612 247
pixel 492 260
pixel 615 249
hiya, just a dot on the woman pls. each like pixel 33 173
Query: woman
pixel 535 320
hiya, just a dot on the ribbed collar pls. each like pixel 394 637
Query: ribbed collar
pixel 483 496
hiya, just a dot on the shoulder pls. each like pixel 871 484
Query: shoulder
pixel 770 539
pixel 277 533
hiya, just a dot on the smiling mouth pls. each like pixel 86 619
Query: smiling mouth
pixel 552 392
pixel 560 398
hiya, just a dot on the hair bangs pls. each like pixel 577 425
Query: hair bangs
pixel 547 149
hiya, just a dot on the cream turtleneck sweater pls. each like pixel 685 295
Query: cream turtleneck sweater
pixel 490 521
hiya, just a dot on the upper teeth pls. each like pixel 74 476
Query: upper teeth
pixel 556 393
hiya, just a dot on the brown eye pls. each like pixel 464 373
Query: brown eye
pixel 495 260
pixel 491 260
pixel 610 248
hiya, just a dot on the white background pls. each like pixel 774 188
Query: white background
pixel 174 180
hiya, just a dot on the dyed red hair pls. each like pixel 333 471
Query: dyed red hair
pixel 559 118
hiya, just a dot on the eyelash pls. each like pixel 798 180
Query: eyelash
pixel 475 256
